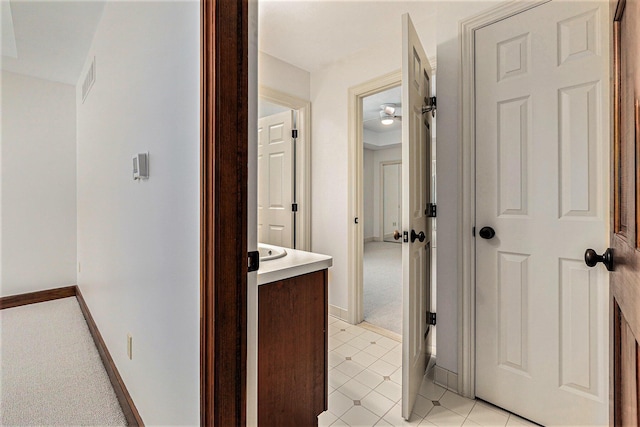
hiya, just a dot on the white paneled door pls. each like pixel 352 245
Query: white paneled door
pixel 275 180
pixel 542 96
pixel 391 200
pixel 416 256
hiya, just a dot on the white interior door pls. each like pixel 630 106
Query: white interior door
pixel 416 256
pixel 275 180
pixel 391 199
pixel 542 94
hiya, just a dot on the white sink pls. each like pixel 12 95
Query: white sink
pixel 268 252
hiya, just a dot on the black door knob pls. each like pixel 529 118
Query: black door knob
pixel 420 236
pixel 591 258
pixel 487 233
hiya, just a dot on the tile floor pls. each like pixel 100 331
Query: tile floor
pixel 365 387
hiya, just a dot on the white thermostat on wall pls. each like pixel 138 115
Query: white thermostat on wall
pixel 141 166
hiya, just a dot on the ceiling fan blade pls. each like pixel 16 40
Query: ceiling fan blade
pixel 399 118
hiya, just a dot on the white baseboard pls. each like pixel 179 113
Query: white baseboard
pixel 339 312
pixel 446 379
pixel 370 239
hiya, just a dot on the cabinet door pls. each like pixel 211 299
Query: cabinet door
pixel 292 350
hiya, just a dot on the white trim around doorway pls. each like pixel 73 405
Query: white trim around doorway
pixel 356 211
pixel 466 187
pixel 303 160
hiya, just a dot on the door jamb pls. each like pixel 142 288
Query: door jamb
pixel 356 145
pixel 223 211
pixel 303 160
pixel 466 187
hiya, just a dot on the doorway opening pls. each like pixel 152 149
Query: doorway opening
pixel 357 95
pixel 382 209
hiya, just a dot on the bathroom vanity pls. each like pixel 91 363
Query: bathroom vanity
pixel 292 338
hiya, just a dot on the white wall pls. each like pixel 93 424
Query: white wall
pixel 449 266
pixel 282 76
pixel 138 241
pixel 369 188
pixel 38 156
pixel 329 153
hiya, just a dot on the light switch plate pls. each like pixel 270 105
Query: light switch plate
pixel 141 166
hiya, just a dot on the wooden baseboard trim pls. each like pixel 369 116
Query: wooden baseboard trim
pixel 36 297
pixel 126 403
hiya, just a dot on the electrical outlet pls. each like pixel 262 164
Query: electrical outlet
pixel 130 346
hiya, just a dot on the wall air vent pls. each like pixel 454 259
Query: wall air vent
pixel 89 79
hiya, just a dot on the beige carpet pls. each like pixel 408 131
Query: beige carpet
pixel 382 271
pixel 51 372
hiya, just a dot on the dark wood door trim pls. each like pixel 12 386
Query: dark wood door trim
pixel 223 232
pixel 625 238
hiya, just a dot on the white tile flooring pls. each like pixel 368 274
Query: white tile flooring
pixel 365 387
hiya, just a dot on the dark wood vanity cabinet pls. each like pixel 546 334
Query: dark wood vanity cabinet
pixel 292 350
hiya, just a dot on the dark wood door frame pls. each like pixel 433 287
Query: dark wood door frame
pixel 624 290
pixel 223 229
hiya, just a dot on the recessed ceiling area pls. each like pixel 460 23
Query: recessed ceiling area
pixel 52 38
pixel 8 35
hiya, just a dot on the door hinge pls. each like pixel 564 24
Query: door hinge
pixel 431 318
pixel 431 210
pixel 431 321
pixel 429 106
pixel 294 133
pixel 254 261
pixel 294 207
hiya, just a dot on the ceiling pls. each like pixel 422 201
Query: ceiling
pixel 52 38
pixel 311 34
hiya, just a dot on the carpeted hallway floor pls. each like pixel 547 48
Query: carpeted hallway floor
pixel 383 285
pixel 51 372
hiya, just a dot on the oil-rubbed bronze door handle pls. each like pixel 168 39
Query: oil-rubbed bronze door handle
pixel 487 233
pixel 591 258
pixel 420 236
pixel 397 235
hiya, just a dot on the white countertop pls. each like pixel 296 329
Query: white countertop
pixel 294 263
